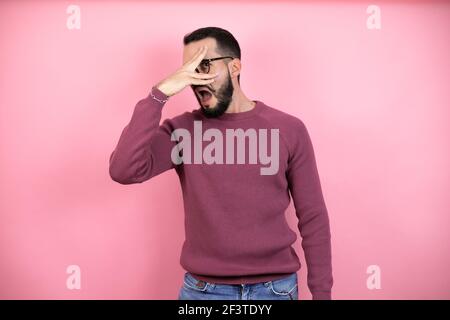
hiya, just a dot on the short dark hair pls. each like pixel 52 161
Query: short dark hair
pixel 227 44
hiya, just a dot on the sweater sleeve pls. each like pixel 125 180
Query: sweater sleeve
pixel 311 211
pixel 144 147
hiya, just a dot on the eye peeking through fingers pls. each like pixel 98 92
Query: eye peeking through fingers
pixel 203 67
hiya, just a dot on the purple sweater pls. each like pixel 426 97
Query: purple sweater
pixel 235 225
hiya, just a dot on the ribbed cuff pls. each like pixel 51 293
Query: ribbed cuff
pixel 158 94
pixel 321 296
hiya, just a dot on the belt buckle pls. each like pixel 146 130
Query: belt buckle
pixel 201 284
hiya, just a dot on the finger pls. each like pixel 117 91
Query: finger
pixel 197 53
pixel 200 81
pixel 203 75
pixel 194 64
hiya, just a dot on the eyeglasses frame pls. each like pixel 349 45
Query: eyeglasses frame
pixel 210 60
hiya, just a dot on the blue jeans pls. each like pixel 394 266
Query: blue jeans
pixel 281 289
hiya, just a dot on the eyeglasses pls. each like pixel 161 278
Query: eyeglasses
pixel 205 64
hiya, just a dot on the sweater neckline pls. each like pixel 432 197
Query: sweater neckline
pixel 232 116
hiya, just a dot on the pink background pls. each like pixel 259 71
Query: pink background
pixel 376 103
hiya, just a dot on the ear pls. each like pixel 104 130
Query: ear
pixel 235 67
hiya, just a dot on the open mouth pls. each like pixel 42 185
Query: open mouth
pixel 204 95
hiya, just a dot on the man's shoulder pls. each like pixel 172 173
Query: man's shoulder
pixel 282 119
pixel 183 119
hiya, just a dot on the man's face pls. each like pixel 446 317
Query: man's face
pixel 221 89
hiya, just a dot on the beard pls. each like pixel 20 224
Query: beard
pixel 224 96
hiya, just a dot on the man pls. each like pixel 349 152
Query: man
pixel 238 244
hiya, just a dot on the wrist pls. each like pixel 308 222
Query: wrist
pixel 158 95
pixel 162 89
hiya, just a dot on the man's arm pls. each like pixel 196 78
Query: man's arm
pixel 144 147
pixel 314 227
